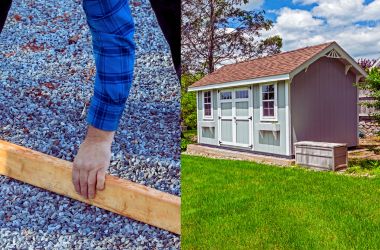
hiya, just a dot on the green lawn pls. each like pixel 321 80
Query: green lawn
pixel 243 205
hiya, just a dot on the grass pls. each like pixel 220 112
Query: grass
pixel 188 137
pixel 364 167
pixel 243 205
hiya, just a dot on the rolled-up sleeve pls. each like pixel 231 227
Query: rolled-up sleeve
pixel 112 30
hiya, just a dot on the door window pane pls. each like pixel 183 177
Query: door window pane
pixel 225 95
pixel 241 94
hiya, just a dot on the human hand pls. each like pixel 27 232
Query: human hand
pixel 91 162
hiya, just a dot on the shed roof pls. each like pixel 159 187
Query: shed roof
pixel 275 65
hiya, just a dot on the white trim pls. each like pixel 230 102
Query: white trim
pixel 233 118
pixel 358 77
pixel 234 144
pixel 218 118
pixel 346 56
pixel 357 116
pixel 251 126
pixel 241 83
pixel 347 68
pixel 210 117
pixel 198 120
pixel 333 54
pixel 275 117
pixel 288 139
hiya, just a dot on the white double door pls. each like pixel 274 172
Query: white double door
pixel 235 120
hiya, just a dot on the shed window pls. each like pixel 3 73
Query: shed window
pixel 241 94
pixel 268 102
pixel 207 104
pixel 226 95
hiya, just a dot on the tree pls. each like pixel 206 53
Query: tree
pixel 372 84
pixel 216 32
pixel 188 100
pixel 366 63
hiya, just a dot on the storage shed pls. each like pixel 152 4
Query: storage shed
pixel 266 105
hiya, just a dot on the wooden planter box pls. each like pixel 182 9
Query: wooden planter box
pixel 322 155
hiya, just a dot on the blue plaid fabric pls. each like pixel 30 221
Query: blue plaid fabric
pixel 112 29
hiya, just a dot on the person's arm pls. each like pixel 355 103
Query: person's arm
pixel 112 29
pixel 5 5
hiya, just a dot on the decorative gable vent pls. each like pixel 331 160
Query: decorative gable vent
pixel 333 54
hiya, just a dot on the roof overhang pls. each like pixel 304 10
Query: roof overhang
pixel 241 83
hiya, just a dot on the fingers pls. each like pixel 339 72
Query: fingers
pixel 87 182
pixel 100 179
pixel 83 175
pixel 75 179
pixel 91 184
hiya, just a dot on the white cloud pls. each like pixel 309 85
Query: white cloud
pixel 300 28
pixel 343 12
pixel 371 11
pixel 252 4
pixel 304 2
pixel 338 12
pixel 297 19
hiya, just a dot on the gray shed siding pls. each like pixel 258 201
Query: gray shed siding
pixel 324 104
pixel 204 127
pixel 265 141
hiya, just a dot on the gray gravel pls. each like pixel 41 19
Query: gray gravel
pixel 46 81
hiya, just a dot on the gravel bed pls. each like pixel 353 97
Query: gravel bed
pixel 46 81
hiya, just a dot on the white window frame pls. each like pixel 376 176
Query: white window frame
pixel 268 118
pixel 208 117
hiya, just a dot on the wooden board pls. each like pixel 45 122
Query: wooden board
pixel 123 197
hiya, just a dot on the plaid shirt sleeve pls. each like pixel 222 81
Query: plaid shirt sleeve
pixel 112 28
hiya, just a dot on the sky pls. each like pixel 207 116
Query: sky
pixel 353 24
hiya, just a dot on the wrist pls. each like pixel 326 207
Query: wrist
pixel 95 135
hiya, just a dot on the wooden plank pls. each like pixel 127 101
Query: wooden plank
pixel 120 196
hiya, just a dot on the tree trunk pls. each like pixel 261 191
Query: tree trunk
pixel 210 58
